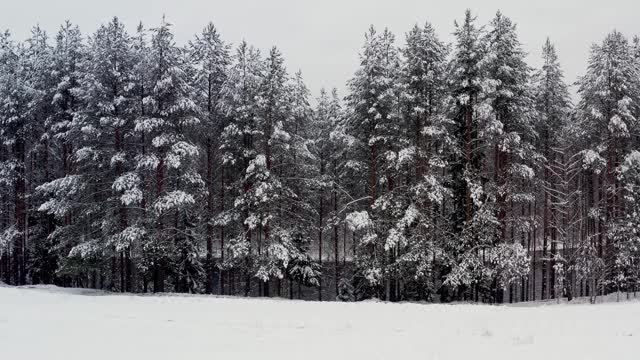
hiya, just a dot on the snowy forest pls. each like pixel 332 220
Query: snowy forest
pixel 447 172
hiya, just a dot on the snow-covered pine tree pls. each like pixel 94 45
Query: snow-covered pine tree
pixel 624 232
pixel 239 151
pixel 102 158
pixel 42 256
pixel 270 192
pixel 473 223
pixel 420 224
pixel 493 113
pixel 374 124
pixel 558 168
pixel 209 56
pixel 16 128
pixel 139 87
pixel 6 173
pixel 61 188
pixel 322 152
pixel 609 95
pixel 513 134
pixel 327 135
pixel 341 198
pixel 68 58
pixel 296 169
pixel 171 116
pixel 333 185
pixel 25 91
pixel 101 187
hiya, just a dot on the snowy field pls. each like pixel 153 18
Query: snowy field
pixel 52 323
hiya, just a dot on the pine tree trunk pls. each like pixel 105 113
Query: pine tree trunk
pixel 49 226
pixel 335 240
pixel 160 270
pixel 209 266
pixel 267 226
pixel 129 271
pixel 122 211
pixel 373 179
pixel 545 241
pixel 609 191
pixel 222 271
pixel 468 160
pixel 321 211
pixel 247 232
pixel 535 241
pixel 114 267
pixel 122 271
pixel 290 289
pixel 523 279
pixel 20 214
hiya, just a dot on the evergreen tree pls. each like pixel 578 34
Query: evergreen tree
pixel 420 225
pixel 326 134
pixel 297 210
pixel 513 153
pixel 552 103
pixel 606 111
pixel 373 125
pixel 171 116
pixel 16 126
pixel 139 88
pixel 104 131
pixel 210 59
pixel 62 189
pixel 472 219
pixel 239 151
pixel 38 70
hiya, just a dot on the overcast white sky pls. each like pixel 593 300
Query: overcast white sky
pixel 323 37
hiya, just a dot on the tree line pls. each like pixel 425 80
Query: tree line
pixel 447 172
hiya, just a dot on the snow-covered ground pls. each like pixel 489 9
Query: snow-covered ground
pixel 51 323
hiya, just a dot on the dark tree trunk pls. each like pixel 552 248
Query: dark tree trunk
pixel 160 267
pixel 20 215
pixel 222 272
pixel 290 289
pixel 320 244
pixel 114 270
pixel 122 271
pixel 545 240
pixel 373 179
pixel 209 266
pixel 129 271
pixel 267 226
pixel 335 240
pixel 534 240
pixel 468 160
